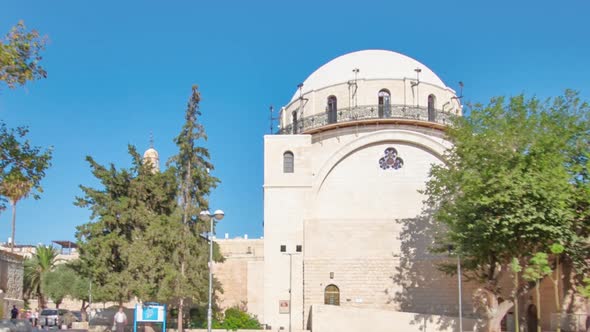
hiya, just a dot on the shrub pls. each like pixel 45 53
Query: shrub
pixel 235 318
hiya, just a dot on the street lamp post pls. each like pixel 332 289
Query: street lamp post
pixel 290 285
pixel 460 291
pixel 459 287
pixel 206 215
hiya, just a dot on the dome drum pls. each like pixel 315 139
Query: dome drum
pixel 372 86
pixel 417 115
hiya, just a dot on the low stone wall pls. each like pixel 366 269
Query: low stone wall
pixel 80 325
pixel 213 330
pixel 328 318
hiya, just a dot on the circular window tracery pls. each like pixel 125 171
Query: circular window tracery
pixel 391 160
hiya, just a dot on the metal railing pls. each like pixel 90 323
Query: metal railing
pixel 570 322
pixel 366 112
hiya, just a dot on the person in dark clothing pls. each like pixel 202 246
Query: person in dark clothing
pixel 14 312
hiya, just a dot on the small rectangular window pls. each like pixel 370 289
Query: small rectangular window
pixel 283 248
pixel 298 248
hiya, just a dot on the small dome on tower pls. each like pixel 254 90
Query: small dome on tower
pixel 151 155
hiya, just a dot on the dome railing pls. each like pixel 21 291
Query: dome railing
pixel 367 112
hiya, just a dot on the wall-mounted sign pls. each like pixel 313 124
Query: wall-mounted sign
pixel 283 306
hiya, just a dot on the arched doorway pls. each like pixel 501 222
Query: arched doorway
pixel 332 295
pixel 531 318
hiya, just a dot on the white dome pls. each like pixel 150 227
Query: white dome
pixel 150 153
pixel 372 64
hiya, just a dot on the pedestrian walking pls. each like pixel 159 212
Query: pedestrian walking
pixel 35 317
pixel 120 320
pixel 14 312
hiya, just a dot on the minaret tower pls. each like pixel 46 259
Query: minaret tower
pixel 151 156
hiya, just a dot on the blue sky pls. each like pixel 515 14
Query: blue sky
pixel 120 69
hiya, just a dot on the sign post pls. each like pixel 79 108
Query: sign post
pixel 150 313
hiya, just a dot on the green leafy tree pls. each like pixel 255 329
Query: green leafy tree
pixel 20 55
pixel 82 290
pixel 129 201
pixel 22 167
pixel 35 271
pixel 58 283
pixel 506 188
pixel 537 270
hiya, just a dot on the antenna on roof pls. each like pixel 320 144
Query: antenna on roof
pixel 272 118
pixel 151 139
pixel 415 84
pixel 353 87
pixel 461 91
pixel 418 71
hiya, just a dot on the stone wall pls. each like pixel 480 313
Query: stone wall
pixel 11 280
pixel 241 274
pixel 327 318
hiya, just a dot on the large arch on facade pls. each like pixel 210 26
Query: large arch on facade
pixel 435 146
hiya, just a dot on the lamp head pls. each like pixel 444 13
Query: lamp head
pixel 218 214
pixel 450 248
pixel 205 215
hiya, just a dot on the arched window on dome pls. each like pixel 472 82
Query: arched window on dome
pixel 332 109
pixel 332 295
pixel 384 102
pixel 288 162
pixel 431 105
pixel 295 123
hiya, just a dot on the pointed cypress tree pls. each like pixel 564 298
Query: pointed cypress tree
pixel 192 165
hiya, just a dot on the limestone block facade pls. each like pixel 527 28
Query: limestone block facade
pixel 346 232
pixel 241 274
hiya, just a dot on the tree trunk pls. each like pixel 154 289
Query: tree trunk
pixel 83 311
pixel 41 301
pixel 556 293
pixel 180 310
pixel 491 313
pixel 516 322
pixel 537 291
pixel 181 300
pixel 13 203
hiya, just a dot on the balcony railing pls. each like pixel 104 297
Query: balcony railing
pixel 366 112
